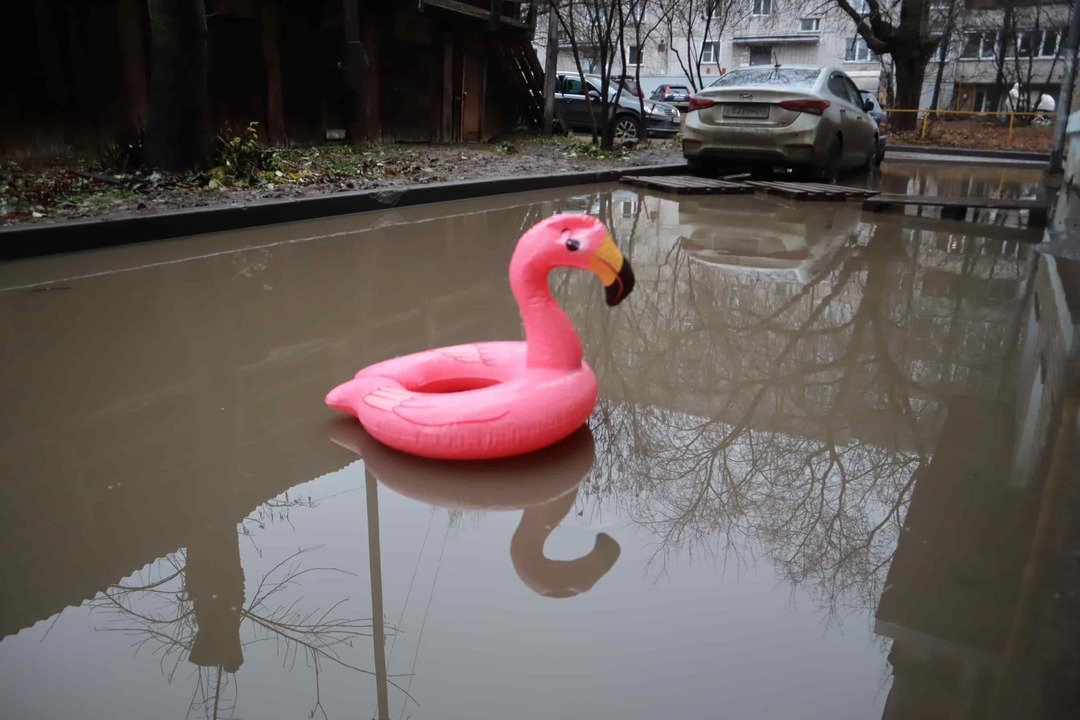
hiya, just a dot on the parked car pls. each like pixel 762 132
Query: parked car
pixel 628 82
pixel 660 119
pixel 882 119
pixel 677 95
pixel 809 118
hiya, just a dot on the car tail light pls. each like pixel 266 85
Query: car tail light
pixel 697 103
pixel 814 107
pixel 883 124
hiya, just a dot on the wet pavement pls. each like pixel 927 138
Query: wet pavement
pixel 815 484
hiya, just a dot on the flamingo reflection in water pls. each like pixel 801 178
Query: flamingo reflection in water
pixel 543 484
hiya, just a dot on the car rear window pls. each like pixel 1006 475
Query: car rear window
pixel 678 89
pixel 788 77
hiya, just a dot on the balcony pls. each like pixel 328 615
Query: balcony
pixel 808 38
pixel 513 13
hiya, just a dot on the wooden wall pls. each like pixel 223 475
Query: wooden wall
pixel 406 76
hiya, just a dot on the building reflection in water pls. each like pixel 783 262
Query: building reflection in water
pixel 874 410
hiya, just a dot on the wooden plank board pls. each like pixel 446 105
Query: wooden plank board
pixel 966 202
pixel 810 191
pixel 843 189
pixel 786 190
pixel 686 184
pixel 956 207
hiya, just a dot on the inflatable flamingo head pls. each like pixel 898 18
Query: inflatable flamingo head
pixel 577 241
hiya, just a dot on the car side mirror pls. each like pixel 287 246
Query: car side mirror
pixel 594 95
pixel 867 104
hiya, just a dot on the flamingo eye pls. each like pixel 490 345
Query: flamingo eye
pixel 573 244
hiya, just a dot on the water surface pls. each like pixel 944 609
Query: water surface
pixel 808 490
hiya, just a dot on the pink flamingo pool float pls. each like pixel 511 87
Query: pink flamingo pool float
pixel 497 399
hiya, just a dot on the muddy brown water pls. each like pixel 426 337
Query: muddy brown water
pixel 808 490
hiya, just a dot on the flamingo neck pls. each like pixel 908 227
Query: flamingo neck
pixel 551 340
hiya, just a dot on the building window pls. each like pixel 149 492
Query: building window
pixel 635 13
pixel 1051 43
pixel 710 52
pixel 857 51
pixel 810 24
pixel 761 7
pixel 1025 39
pixel 761 55
pixel 634 55
pixel 1035 43
pixel 982 45
pixel 971 45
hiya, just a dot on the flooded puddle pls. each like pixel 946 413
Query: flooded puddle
pixel 810 487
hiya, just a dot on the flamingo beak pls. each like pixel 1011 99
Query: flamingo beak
pixel 613 270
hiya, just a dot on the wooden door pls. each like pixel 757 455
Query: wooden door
pixel 473 67
pixel 409 80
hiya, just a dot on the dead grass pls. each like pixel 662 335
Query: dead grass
pixel 79 189
pixel 977 135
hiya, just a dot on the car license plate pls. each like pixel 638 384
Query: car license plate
pixel 746 110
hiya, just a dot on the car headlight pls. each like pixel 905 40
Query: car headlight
pixel 654 110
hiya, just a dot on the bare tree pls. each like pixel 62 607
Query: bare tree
pixel 903 30
pixel 595 30
pixel 697 22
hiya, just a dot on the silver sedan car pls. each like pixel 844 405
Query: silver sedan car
pixel 797 117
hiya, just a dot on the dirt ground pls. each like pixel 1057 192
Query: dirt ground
pixel 968 134
pixel 85 189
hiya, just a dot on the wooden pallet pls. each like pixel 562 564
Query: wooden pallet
pixel 811 190
pixel 688 184
pixel 956 208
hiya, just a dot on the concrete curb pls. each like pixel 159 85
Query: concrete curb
pixel 34 240
pixel 971 152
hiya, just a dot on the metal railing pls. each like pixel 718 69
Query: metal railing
pixel 925 115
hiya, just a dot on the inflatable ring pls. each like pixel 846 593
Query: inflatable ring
pixel 545 487
pixel 497 399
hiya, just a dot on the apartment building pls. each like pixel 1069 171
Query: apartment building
pixel 996 46
pixel 747 32
pixel 988 46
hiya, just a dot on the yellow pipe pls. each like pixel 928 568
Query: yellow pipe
pixel 965 112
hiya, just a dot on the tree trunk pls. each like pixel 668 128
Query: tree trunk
pixel 275 97
pixel 132 64
pixel 910 70
pixel 177 136
pixel 941 69
pixel 551 67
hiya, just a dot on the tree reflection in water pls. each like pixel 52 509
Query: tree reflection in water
pixel 191 605
pixel 750 413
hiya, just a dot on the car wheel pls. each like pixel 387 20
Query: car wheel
pixel 830 171
pixel 880 154
pixel 628 129
pixel 871 155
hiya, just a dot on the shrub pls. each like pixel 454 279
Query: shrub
pixel 240 157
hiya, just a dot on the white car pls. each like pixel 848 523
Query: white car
pixel 797 117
